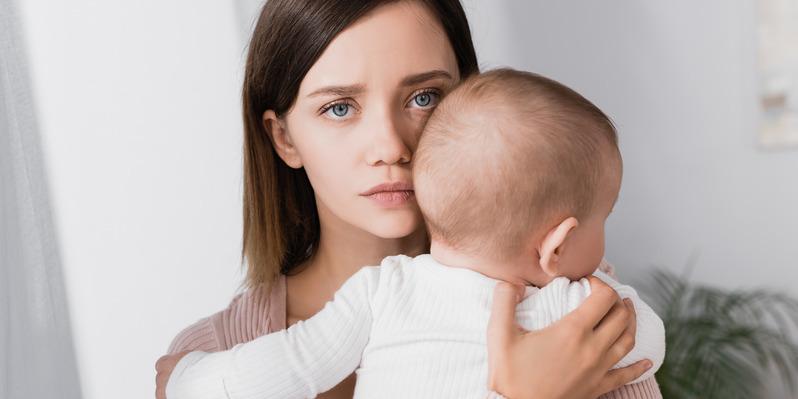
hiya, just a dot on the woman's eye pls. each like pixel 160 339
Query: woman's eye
pixel 425 100
pixel 340 110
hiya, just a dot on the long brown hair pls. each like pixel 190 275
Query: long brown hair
pixel 281 222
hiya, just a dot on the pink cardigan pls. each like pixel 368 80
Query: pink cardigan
pixel 257 312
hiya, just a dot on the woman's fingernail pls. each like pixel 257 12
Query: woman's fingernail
pixel 647 364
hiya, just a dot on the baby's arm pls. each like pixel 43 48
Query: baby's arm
pixel 650 335
pixel 562 296
pixel 308 358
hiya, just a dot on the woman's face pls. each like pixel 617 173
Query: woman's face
pixel 359 114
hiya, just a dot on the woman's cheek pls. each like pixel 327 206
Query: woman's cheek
pixel 329 173
pixel 417 127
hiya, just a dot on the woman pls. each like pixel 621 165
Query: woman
pixel 335 96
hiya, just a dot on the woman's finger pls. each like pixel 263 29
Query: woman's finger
pixel 619 349
pixel 163 363
pixel 614 324
pixel 626 341
pixel 502 326
pixel 162 375
pixel 503 331
pixel 164 366
pixel 633 316
pixel 160 385
pixel 601 299
pixel 619 377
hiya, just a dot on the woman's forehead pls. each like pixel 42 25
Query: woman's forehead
pixel 384 48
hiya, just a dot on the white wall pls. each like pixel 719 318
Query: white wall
pixel 139 109
pixel 679 78
pixel 139 113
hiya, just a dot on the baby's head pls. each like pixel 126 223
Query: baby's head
pixel 515 168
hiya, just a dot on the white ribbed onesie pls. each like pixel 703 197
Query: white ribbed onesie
pixel 411 328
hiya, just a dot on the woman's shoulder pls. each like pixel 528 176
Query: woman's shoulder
pixel 255 312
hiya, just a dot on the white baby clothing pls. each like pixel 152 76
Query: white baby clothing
pixel 410 328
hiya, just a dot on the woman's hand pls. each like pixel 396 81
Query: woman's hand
pixel 571 358
pixel 164 367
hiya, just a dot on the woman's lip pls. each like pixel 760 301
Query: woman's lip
pixel 388 188
pixel 392 198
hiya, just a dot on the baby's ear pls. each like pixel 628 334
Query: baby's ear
pixel 553 244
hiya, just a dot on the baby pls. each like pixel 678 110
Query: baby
pixel 515 175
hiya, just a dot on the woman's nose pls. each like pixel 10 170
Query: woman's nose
pixel 389 144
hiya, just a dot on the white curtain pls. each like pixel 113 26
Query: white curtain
pixel 37 358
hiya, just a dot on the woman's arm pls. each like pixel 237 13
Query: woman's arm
pixel 255 312
pixel 308 358
pixel 579 349
pixel 248 316
pixel 648 389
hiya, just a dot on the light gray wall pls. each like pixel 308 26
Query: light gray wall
pixel 131 106
pixel 679 78
pixel 139 114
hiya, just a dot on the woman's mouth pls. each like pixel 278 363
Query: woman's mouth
pixel 390 194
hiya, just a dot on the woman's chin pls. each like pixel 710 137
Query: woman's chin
pixel 396 224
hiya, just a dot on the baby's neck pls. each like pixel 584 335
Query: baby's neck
pixel 525 270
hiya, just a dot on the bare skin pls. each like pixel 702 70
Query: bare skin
pixel 319 278
pixel 372 142
pixel 586 343
pixel 603 324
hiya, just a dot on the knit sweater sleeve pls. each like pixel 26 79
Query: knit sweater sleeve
pixel 648 389
pixel 247 317
pixel 310 357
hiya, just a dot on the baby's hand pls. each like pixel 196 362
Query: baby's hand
pixel 164 367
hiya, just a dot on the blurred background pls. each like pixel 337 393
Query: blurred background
pixel 123 165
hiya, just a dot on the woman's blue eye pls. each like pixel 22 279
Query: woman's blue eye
pixel 425 100
pixel 340 110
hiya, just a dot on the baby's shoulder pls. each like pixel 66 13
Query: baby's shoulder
pixel 394 270
pixel 392 275
pixel 393 265
pixel 565 290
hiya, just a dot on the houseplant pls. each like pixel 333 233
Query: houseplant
pixel 722 343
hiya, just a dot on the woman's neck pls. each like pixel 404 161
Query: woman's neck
pixel 344 249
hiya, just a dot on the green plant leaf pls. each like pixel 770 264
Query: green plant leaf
pixel 722 344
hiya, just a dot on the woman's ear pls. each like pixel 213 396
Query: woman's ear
pixel 281 139
pixel 553 244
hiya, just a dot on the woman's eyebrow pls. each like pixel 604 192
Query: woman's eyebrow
pixel 425 76
pixel 340 91
pixel 354 90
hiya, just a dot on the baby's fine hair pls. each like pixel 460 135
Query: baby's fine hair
pixel 508 153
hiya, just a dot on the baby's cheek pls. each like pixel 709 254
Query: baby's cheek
pixel 598 248
pixel 593 253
